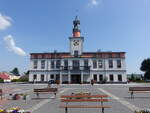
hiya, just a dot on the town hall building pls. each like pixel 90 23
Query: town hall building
pixel 77 66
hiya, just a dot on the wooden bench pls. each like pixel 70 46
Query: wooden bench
pixel 45 90
pixel 84 98
pixel 133 90
pixel 1 93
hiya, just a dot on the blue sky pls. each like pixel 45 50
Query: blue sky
pixel 44 25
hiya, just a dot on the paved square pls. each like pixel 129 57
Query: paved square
pixel 118 94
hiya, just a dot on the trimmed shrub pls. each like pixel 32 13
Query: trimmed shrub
pixel 1 80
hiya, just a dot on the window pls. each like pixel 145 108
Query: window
pixel 118 63
pixel 34 77
pixel 76 53
pixel 95 77
pixel 110 63
pixel 111 77
pixel 86 63
pixel 66 64
pixel 52 76
pixel 35 63
pixel 57 77
pixel 42 78
pixel 58 64
pixel 52 64
pixel 76 64
pixel 100 77
pixel 100 64
pixel 94 64
pixel 119 77
pixel 42 64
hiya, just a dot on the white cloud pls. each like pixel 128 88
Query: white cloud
pixel 93 3
pixel 11 46
pixel 4 22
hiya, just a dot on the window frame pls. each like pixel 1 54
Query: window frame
pixel 110 63
pixel 52 64
pixel 120 75
pixel 52 76
pixel 35 64
pixel 34 76
pixel 58 64
pixel 94 64
pixel 111 77
pixel 42 77
pixel 42 64
pixel 119 65
pixel 100 63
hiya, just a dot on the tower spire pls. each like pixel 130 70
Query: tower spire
pixel 76 29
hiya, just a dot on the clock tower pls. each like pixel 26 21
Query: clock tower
pixel 76 41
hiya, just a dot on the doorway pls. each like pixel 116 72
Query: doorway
pixel 75 79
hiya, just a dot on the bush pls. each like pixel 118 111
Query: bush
pixel 1 80
pixel 14 80
pixel 23 79
pixel 20 80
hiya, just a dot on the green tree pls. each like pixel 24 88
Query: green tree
pixel 15 71
pixel 26 73
pixel 145 67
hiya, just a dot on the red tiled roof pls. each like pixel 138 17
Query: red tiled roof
pixel 4 76
pixel 84 55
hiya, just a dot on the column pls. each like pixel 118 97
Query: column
pixel 60 77
pixel 69 77
pixel 81 77
pixel 98 77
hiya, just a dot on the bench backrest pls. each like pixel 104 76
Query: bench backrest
pixel 139 88
pixel 83 96
pixel 46 90
pixel 84 100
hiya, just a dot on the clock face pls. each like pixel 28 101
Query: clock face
pixel 76 42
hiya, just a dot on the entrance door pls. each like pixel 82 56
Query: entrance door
pixel 75 79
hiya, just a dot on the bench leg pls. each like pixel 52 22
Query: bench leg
pixel 66 110
pixel 55 94
pixel 102 110
pixel 132 95
pixel 37 94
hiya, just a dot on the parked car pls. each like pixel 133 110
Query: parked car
pixel 51 82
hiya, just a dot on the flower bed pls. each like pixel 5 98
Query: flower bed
pixel 143 111
pixel 13 110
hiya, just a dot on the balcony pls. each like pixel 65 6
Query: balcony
pixel 76 68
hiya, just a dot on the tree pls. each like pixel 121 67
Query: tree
pixel 27 73
pixel 15 71
pixel 132 77
pixel 145 67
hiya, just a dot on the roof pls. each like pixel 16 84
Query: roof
pixel 4 76
pixel 84 55
pixel 83 52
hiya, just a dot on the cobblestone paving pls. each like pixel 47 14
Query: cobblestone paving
pixel 119 96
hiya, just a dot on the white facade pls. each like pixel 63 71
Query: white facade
pixel 85 76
